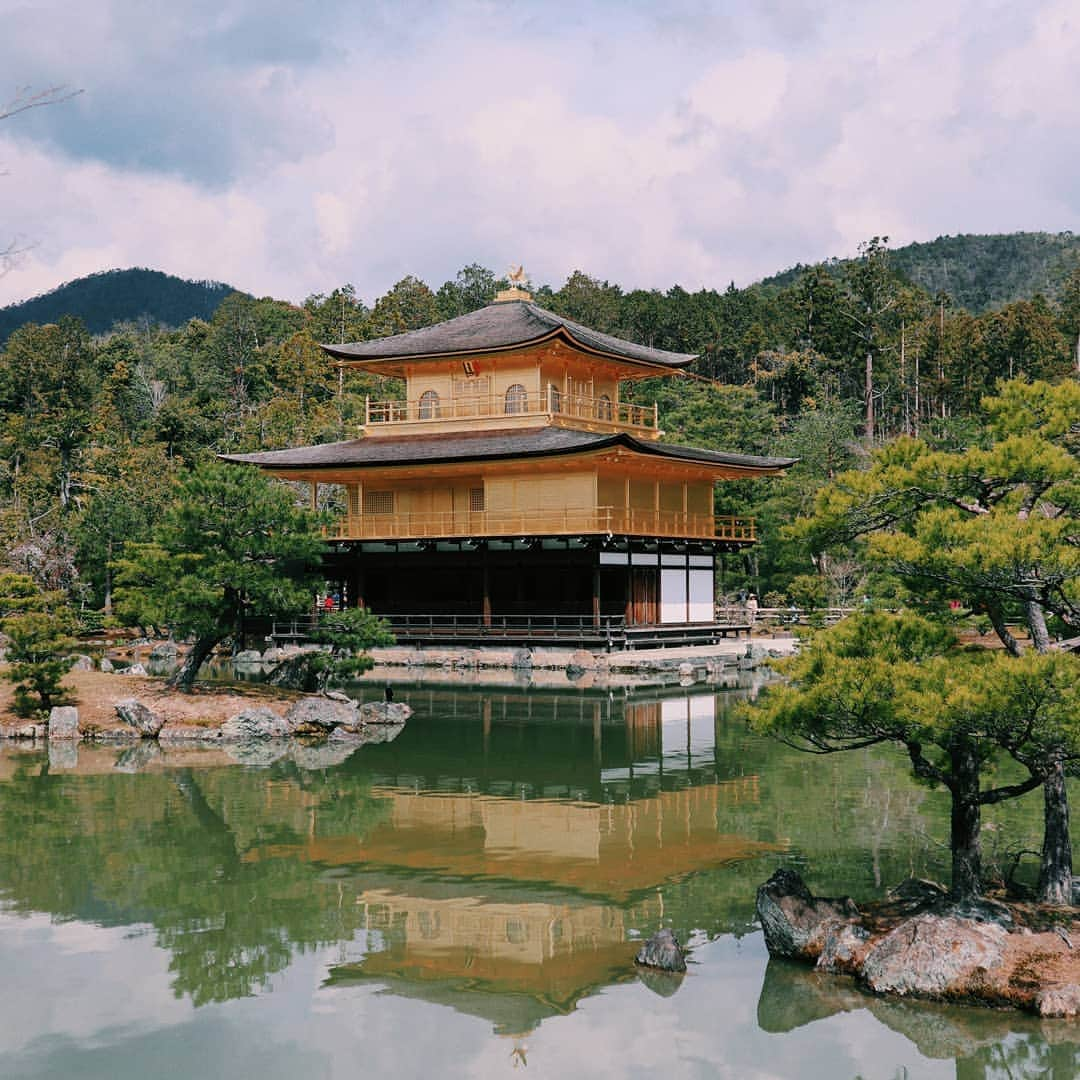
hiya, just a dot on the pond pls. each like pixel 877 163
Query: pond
pixel 466 900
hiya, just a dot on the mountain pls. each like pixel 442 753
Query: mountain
pixel 978 271
pixel 113 296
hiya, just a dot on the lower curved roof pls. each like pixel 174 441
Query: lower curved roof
pixel 493 446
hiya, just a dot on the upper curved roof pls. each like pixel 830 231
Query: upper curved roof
pixel 507 324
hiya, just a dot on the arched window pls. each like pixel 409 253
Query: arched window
pixel 603 407
pixel 555 396
pixel 429 405
pixel 517 398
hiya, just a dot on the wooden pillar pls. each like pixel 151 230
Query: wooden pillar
pixel 596 591
pixel 314 495
pixel 485 573
pixel 628 594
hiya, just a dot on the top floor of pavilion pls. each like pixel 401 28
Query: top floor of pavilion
pixel 509 365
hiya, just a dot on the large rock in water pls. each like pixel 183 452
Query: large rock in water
pixel 64 722
pixel 384 712
pixel 134 713
pixel 319 714
pixel 933 955
pixel 794 920
pixel 295 673
pixel 662 951
pixel 258 722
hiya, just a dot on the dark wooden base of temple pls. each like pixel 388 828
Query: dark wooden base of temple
pixel 645 582
pixel 593 592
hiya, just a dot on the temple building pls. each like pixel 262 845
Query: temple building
pixel 512 487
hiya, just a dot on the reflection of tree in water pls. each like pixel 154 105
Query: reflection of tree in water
pixel 987 1044
pixel 178 850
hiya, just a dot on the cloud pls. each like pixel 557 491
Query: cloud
pixel 697 143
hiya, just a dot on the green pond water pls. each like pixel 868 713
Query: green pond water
pixel 465 900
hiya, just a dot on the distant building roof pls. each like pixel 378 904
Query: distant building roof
pixel 488 446
pixel 505 325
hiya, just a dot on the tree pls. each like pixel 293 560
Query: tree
pixel 38 626
pixel 230 544
pixel 349 633
pixel 878 679
pixel 409 305
pixel 871 292
pixel 992 527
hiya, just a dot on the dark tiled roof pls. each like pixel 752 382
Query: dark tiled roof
pixel 509 324
pixel 487 445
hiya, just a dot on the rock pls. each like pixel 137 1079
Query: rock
pixel 321 714
pixel 1059 1001
pixel 188 734
pixel 64 722
pixel 337 695
pixel 258 722
pixel 63 754
pixel 114 734
pixel 662 951
pixel 138 757
pixel 164 650
pixel 134 669
pixel 933 955
pixel 794 921
pixel 294 673
pixel 521 658
pixel 984 909
pixel 273 655
pixel 580 662
pixel 843 949
pixel 368 734
pixel 106 664
pixel 23 730
pixel 134 713
pixel 686 670
pixel 384 712
pixel 248 656
pixel 81 662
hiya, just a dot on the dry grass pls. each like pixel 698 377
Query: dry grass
pixel 96 693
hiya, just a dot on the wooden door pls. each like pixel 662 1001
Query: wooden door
pixel 643 590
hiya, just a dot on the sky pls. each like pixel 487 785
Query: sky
pixel 289 148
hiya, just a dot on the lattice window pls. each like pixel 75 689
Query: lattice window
pixel 517 399
pixel 603 407
pixel 478 387
pixel 429 405
pixel 555 396
pixel 378 502
pixel 476 500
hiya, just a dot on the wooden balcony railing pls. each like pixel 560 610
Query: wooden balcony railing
pixel 554 403
pixel 603 519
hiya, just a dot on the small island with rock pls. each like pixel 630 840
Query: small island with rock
pixel 921 943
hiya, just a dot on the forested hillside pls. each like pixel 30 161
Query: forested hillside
pixel 836 362
pixel 102 300
pixel 976 272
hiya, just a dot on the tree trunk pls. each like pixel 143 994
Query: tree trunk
pixel 1036 620
pixel 997 620
pixel 966 822
pixel 869 395
pixel 1055 872
pixel 184 676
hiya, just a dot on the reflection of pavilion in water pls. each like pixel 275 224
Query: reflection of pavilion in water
pixel 508 894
